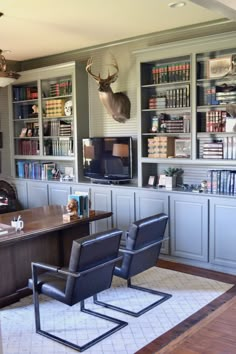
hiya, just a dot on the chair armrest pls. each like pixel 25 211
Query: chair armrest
pixel 65 271
pixel 124 250
pixel 84 272
pixel 45 266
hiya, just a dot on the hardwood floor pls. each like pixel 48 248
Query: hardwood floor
pixel 212 330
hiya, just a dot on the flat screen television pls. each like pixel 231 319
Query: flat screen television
pixel 107 159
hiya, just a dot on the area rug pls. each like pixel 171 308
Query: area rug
pixel 189 294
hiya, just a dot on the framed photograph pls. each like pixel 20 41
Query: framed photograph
pixel 151 180
pixel 219 67
pixel 23 132
pixel 182 148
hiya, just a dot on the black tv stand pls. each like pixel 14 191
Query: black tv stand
pixel 109 181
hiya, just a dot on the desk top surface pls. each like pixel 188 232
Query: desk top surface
pixel 44 219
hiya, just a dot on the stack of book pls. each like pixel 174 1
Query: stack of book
pixel 174 126
pixel 213 150
pixel 161 147
pixel 226 97
pixel 65 129
pixel 54 108
pixel 157 102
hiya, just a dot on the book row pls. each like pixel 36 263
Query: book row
pixel 215 121
pixel 221 181
pixel 21 93
pixel 216 95
pixel 223 149
pixel 59 147
pixel 171 72
pixel 35 170
pixel 61 88
pixel 174 98
pixel 24 111
pixel 57 128
pixel 27 147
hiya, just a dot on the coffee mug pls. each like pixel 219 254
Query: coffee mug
pixel 18 224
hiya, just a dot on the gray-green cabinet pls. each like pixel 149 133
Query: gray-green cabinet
pixel 189 226
pixel 123 208
pixel 101 200
pixel 58 193
pixel 37 194
pixel 223 232
pixel 22 195
pixel 149 203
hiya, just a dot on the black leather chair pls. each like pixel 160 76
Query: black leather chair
pixel 90 271
pixel 141 252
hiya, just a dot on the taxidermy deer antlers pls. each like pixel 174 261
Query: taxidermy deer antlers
pixel 117 104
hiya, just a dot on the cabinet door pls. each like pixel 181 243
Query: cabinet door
pixel 149 203
pixel 222 232
pixel 21 187
pixel 101 200
pixel 58 193
pixel 189 226
pixel 37 194
pixel 123 208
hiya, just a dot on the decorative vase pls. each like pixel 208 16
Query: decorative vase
pixel 170 182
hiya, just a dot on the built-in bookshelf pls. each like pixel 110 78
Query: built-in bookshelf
pixel 216 97
pixel 187 106
pixel 46 125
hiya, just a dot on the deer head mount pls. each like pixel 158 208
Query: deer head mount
pixel 117 104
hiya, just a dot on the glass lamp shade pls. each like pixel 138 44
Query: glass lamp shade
pixel 6 78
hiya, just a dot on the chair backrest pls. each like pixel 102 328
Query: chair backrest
pixel 144 238
pixel 88 252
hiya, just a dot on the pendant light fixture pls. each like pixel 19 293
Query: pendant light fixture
pixel 6 77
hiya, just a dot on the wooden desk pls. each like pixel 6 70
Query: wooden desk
pixel 45 238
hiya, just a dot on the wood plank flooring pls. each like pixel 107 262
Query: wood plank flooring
pixel 212 330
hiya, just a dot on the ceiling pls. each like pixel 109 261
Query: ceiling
pixel 31 29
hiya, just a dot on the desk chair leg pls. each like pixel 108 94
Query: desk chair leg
pixel 120 324
pixel 164 297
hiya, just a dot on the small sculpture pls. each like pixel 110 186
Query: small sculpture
pixel 72 207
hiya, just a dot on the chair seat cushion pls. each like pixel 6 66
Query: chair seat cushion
pixel 51 284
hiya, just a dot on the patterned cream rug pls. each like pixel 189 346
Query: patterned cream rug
pixel 189 294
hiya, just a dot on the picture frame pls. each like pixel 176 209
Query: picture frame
pixel 152 181
pixel 182 148
pixel 219 67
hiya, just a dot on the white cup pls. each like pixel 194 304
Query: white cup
pixel 18 224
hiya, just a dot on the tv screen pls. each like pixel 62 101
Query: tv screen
pixel 108 159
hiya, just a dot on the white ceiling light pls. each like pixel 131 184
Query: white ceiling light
pixel 174 5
